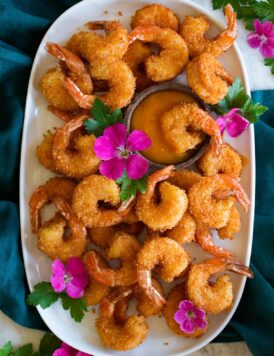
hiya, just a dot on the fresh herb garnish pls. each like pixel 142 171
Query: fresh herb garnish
pixel 269 62
pixel 129 187
pixel 102 118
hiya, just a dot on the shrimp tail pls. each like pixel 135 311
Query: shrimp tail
pixel 144 280
pixel 61 114
pixel 99 273
pixel 83 100
pixel 240 269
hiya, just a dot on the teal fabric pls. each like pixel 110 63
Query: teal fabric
pixel 22 26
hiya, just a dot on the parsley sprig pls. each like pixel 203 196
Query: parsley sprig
pixel 48 344
pixel 129 187
pixel 102 118
pixel 269 62
pixel 237 98
pixel 44 295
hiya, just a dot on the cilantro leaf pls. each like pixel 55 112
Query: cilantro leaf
pixel 43 295
pixel 269 62
pixel 25 350
pixel 77 307
pixel 48 344
pixel 6 349
pixel 252 111
pixel 219 4
pixel 264 10
pixel 235 98
pixel 130 187
pixel 102 118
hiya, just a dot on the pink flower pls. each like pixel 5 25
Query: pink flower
pixel 190 317
pixel 233 122
pixel 66 350
pixel 116 150
pixel 262 38
pixel 73 277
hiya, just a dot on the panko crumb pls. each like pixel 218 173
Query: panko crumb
pixel 119 13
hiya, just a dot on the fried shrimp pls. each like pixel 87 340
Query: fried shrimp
pixel 116 334
pixel 155 14
pixel 87 196
pixel 124 247
pixel 228 162
pixel 233 225
pixel 54 187
pixel 101 236
pixel 175 296
pixel 44 152
pixel 184 231
pixel 183 125
pixel 217 297
pixel 53 88
pixel 173 56
pixel 193 29
pixel 135 57
pixel 208 79
pixel 211 199
pixel 166 253
pixel 79 162
pixel 121 83
pixel 184 178
pixel 165 213
pixel 77 70
pixel 52 239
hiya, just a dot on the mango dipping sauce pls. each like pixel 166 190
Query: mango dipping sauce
pixel 146 117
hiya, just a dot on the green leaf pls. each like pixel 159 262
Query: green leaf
pixel 269 62
pixel 130 187
pixel 43 295
pixel 235 98
pixel 25 350
pixel 103 117
pixel 77 307
pixel 264 10
pixel 48 344
pixel 6 349
pixel 252 111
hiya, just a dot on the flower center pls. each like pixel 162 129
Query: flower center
pixel 263 39
pixel 190 314
pixel 67 278
pixel 123 152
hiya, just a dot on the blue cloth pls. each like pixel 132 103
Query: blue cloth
pixel 23 24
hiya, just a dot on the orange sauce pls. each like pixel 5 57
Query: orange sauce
pixel 146 117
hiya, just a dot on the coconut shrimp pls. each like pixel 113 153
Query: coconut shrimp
pixel 211 199
pixel 101 236
pixel 53 88
pixel 217 297
pixel 155 14
pixel 184 178
pixel 166 213
pixel 173 56
pixel 52 239
pixel 228 162
pixel 184 231
pixel 175 296
pixel 135 57
pixel 183 125
pixel 44 152
pixel 120 335
pixel 233 225
pixel 166 253
pixel 121 83
pixel 193 29
pixel 77 70
pixel 79 162
pixel 124 247
pixel 208 79
pixel 54 187
pixel 88 193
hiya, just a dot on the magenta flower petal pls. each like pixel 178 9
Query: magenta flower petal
pixel 199 313
pixel 187 326
pixel 136 166
pixel 58 268
pixel 113 168
pixel 221 121
pixel 236 125
pixel 61 352
pixel 253 39
pixel 200 323
pixel 117 133
pixel 76 269
pixel 267 50
pixel 268 28
pixel 258 27
pixel 138 141
pixel 58 283
pixel 180 316
pixel 186 305
pixel 80 353
pixel 104 148
pixel 73 291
